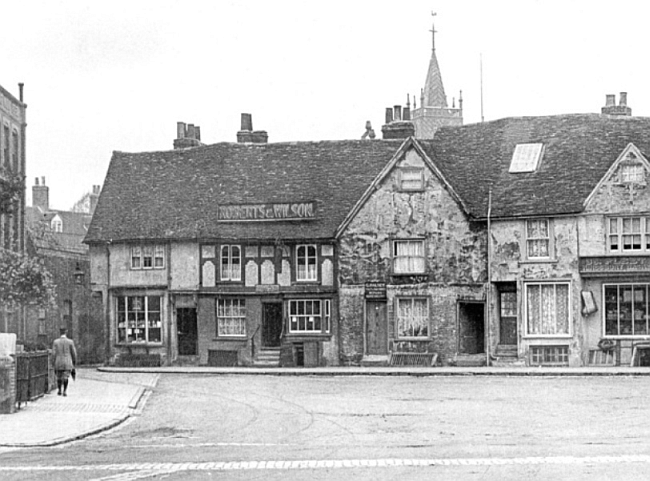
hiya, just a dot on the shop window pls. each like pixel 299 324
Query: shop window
pixel 547 309
pixel 148 256
pixel 231 317
pixel 538 239
pixel 309 316
pixel 408 257
pixel 627 312
pixel 412 318
pixel 306 263
pixel 230 263
pixel 139 319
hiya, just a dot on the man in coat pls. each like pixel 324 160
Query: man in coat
pixel 65 358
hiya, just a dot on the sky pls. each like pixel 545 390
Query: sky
pixel 102 76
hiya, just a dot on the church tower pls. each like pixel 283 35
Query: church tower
pixel 433 112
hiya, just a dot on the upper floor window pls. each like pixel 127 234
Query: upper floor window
pixel 14 152
pixel 408 257
pixel 411 179
pixel 306 315
pixel 148 256
pixel 547 309
pixel 412 317
pixel 57 224
pixel 632 173
pixel 306 263
pixel 230 263
pixel 537 239
pixel 5 147
pixel 628 234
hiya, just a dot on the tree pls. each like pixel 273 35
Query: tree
pixel 11 189
pixel 25 281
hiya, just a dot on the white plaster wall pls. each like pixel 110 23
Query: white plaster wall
pixel 184 266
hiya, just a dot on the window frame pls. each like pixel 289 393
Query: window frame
pixel 306 258
pixel 530 239
pixel 232 274
pixel 633 311
pixel 569 307
pixel 619 235
pixel 148 312
pixel 325 315
pixel 396 257
pixel 398 319
pixel 239 319
pixel 404 172
pixel 139 253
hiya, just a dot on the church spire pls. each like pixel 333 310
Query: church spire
pixel 434 91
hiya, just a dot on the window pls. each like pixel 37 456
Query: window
pixel 547 309
pixel 311 316
pixel 5 147
pixel 626 309
pixel 628 234
pixel 306 263
pixel 526 158
pixel 56 224
pixel 537 239
pixel 14 152
pixel 632 173
pixel 411 179
pixel 139 319
pixel 412 317
pixel 408 257
pixel 148 256
pixel 231 317
pixel 230 263
pixel 549 355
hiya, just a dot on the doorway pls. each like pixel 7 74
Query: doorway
pixel 376 329
pixel 271 324
pixel 187 331
pixel 471 329
pixel 507 314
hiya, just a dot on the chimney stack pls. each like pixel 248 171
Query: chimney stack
pixel 389 115
pixel 20 91
pixel 41 195
pixel 249 136
pixel 398 123
pixel 620 110
pixel 187 136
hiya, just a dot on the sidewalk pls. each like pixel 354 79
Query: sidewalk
pixel 94 403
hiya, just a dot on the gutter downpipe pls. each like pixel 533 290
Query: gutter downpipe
pixel 107 305
pixel 488 286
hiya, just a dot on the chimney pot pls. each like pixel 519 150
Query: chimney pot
pixel 43 180
pixel 610 100
pixel 406 113
pixel 197 132
pixel 623 99
pixel 389 115
pixel 36 181
pixel 190 131
pixel 180 130
pixel 246 122
pixel 397 112
pixel 20 90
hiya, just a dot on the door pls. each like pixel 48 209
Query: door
pixel 471 323
pixel 508 316
pixel 271 324
pixel 187 332
pixel 376 329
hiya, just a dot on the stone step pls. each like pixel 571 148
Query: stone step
pixel 374 361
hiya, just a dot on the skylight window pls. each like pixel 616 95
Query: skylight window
pixel 526 158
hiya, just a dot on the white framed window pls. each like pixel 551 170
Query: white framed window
pixel 57 224
pixel 148 256
pixel 412 317
pixel 634 173
pixel 411 179
pixel 627 310
pixel 408 257
pixel 309 316
pixel 548 309
pixel 538 239
pixel 231 317
pixel 549 355
pixel 628 234
pixel 139 319
pixel 306 263
pixel 230 263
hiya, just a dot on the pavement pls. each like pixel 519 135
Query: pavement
pixel 102 398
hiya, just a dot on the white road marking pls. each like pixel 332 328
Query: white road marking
pixel 143 470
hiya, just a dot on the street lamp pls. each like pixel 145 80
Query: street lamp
pixel 78 275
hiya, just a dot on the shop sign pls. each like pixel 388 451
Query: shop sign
pixel 375 290
pixel 266 212
pixel 603 266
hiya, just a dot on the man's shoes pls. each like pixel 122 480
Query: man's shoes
pixel 65 394
pixel 59 393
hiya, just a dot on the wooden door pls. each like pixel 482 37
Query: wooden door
pixel 376 328
pixel 508 317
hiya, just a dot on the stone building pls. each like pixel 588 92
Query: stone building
pixel 56 236
pixel 12 179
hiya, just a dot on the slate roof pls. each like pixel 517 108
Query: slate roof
pixel 578 151
pixel 75 226
pixel 175 194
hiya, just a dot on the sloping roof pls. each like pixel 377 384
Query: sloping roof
pixel 74 225
pixel 578 151
pixel 175 194
pixel 434 90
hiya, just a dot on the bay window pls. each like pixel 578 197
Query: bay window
pixel 628 234
pixel 309 316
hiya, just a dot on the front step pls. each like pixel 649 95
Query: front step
pixel 267 357
pixel 506 350
pixel 470 360
pixel 374 361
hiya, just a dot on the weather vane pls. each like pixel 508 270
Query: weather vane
pixel 433 32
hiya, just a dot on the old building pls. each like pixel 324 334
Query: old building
pixel 56 236
pixel 12 190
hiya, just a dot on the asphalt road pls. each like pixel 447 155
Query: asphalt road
pixel 366 427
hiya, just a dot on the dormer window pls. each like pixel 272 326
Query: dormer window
pixel 56 224
pixel 526 158
pixel 411 179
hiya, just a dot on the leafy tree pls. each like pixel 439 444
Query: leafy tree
pixel 10 190
pixel 25 281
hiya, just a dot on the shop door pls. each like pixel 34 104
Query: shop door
pixel 271 324
pixel 187 331
pixel 471 320
pixel 376 328
pixel 508 316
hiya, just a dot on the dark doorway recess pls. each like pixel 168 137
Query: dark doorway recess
pixel 271 324
pixel 187 331
pixel 471 319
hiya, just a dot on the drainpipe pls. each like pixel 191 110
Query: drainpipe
pixel 489 277
pixel 107 305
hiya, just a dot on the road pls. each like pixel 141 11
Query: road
pixel 366 427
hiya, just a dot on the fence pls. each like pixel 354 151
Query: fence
pixel 32 376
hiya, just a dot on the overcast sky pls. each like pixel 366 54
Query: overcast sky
pixel 117 75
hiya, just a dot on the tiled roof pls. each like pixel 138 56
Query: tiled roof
pixel 175 194
pixel 578 151
pixel 74 226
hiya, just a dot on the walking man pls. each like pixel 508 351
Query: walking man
pixel 65 358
